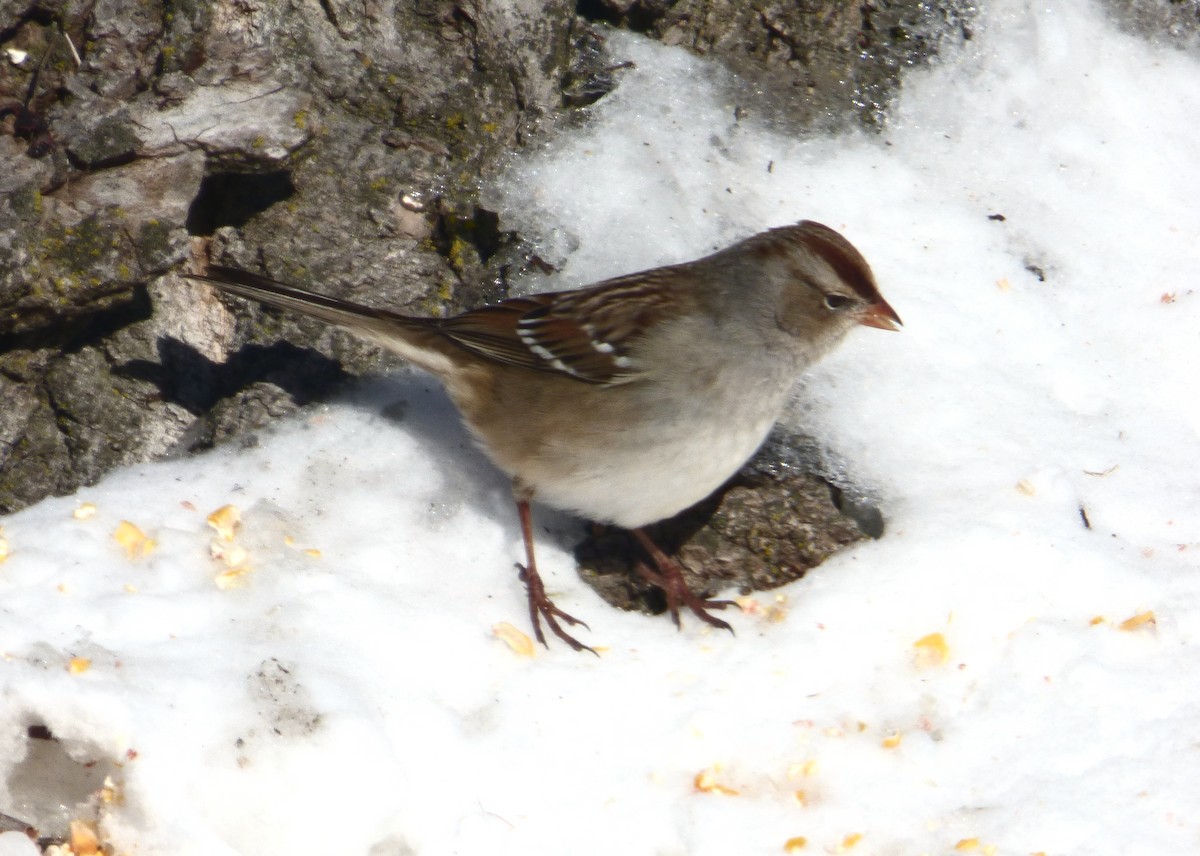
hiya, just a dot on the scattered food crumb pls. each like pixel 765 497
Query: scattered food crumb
pixel 706 783
pixel 133 540
pixel 748 605
pixel 231 578
pixel 514 639
pixel 932 650
pixel 848 842
pixel 225 520
pixel 86 511
pixel 110 794
pixel 231 555
pixel 1139 620
pixel 84 840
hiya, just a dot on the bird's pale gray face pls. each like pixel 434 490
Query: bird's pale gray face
pixel 826 285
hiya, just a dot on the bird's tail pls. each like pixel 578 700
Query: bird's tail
pixel 416 339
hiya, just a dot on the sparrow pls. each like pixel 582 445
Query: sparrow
pixel 629 400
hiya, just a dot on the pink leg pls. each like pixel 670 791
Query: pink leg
pixel 670 579
pixel 540 605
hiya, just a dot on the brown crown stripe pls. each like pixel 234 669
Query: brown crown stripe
pixel 844 259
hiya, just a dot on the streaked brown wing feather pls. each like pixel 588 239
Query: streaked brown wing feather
pixel 489 332
pixel 584 334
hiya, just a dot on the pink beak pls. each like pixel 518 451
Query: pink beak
pixel 880 315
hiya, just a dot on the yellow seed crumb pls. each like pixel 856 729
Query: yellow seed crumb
pixel 774 613
pixel 1026 487
pixel 289 541
pixel 3 549
pixel 84 841
pixel 706 783
pixel 109 792
pixel 231 579
pixel 313 553
pixel 84 512
pixel 1003 284
pixel 892 740
pixel 79 665
pixel 514 639
pixel 231 555
pixel 1098 619
pixel 795 845
pixel 932 650
pixel 225 521
pixel 130 588
pixel 849 841
pixel 800 797
pixel 133 540
pixel 1139 620
pixel 967 844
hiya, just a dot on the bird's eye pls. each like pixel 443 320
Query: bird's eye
pixel 838 302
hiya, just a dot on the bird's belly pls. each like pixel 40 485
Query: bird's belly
pixel 642 475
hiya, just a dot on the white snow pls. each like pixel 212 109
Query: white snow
pixel 356 701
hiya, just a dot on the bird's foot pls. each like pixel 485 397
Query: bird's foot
pixel 669 578
pixel 541 606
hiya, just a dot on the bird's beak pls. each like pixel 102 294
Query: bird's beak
pixel 880 315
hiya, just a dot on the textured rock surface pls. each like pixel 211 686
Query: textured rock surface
pixel 759 532
pixel 338 150
pixel 1176 21
pixel 815 63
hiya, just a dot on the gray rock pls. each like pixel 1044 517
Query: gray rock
pixel 758 532
pixel 1175 22
pixel 811 63
pixel 338 149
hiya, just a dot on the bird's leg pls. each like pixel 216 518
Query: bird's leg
pixel 670 579
pixel 540 605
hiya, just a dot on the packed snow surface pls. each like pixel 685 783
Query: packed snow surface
pixel 1011 669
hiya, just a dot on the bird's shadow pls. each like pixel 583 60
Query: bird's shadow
pixel 408 397
pixel 186 377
